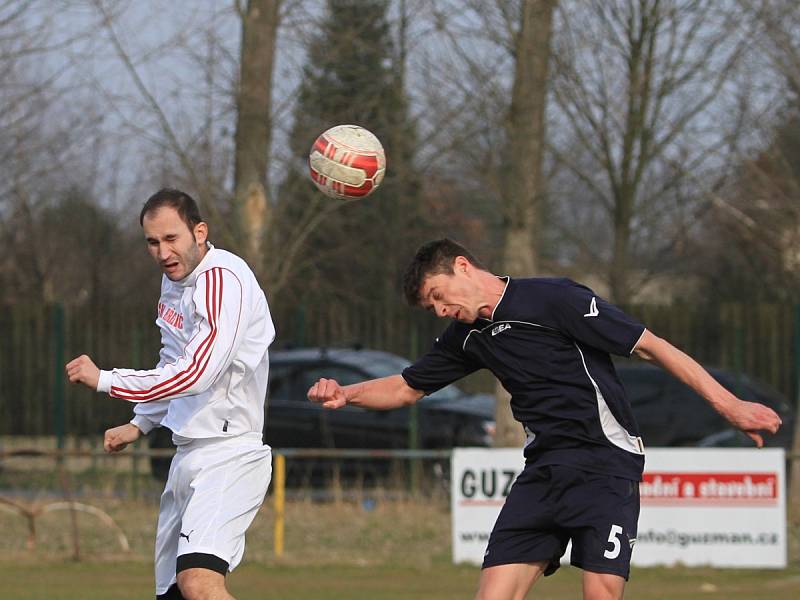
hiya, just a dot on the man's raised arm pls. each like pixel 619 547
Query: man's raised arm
pixel 750 417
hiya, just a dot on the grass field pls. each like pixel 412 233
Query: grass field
pixel 132 580
pixel 384 549
pixel 398 550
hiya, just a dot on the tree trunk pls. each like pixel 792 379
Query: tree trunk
pixel 618 276
pixel 524 185
pixel 254 126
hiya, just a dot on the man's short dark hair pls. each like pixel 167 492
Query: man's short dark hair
pixel 180 201
pixel 433 258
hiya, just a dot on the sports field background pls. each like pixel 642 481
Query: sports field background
pixel 380 549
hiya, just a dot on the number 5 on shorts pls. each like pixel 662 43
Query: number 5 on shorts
pixel 614 539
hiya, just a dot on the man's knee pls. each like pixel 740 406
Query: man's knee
pixel 602 586
pixel 509 582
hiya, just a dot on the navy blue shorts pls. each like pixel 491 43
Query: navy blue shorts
pixel 550 505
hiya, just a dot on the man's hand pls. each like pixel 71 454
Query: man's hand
pixel 117 438
pixel 751 418
pixel 83 370
pixel 328 393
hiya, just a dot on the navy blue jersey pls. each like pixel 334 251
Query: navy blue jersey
pixel 549 343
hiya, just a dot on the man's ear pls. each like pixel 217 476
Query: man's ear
pixel 201 233
pixel 461 264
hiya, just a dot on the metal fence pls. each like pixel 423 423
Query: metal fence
pixel 761 340
pixel 70 470
pixel 35 482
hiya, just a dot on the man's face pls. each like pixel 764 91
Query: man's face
pixel 456 296
pixel 176 248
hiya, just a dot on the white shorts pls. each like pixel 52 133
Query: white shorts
pixel 214 490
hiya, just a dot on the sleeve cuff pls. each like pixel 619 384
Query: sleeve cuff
pixel 104 382
pixel 144 424
pixel 637 342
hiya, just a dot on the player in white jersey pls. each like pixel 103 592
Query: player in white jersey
pixel 209 388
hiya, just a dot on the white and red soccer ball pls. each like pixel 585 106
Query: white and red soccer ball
pixel 347 162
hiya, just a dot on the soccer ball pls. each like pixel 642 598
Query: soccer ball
pixel 347 162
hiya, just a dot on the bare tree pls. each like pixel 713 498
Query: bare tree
pixel 644 115
pixel 769 193
pixel 254 125
pixel 192 146
pixel 46 135
pixel 166 115
pixel 523 184
pixel 484 54
pixel 774 25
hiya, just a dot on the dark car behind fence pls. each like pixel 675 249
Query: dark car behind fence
pixel 443 420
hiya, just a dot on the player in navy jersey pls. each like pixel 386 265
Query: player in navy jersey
pixel 548 341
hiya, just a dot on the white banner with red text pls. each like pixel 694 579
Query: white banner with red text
pixel 700 506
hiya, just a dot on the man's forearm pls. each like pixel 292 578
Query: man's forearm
pixel 750 417
pixel 382 394
pixel 684 368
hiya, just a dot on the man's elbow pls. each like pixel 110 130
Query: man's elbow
pixel 647 348
pixel 409 395
pixel 643 354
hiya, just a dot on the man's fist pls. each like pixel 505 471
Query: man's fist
pixel 83 370
pixel 117 438
pixel 327 392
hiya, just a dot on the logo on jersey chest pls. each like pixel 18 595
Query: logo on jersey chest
pixel 170 315
pixel 500 328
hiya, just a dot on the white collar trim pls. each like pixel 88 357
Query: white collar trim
pixel 508 280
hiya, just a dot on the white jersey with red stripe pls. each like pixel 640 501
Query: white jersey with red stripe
pixel 211 380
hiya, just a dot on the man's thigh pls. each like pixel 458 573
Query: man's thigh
pixel 550 505
pixel 167 532
pixel 600 513
pixel 525 531
pixel 225 498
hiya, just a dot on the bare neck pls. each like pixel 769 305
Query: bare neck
pixel 493 289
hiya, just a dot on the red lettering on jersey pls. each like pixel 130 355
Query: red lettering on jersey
pixel 170 315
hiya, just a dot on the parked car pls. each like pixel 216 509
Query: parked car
pixel 446 418
pixel 669 413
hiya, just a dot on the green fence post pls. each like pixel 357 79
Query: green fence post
pixel 738 358
pixel 794 459
pixel 135 469
pixel 413 423
pixel 300 326
pixel 136 356
pixel 58 382
pixel 797 358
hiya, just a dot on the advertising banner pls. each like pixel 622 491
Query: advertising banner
pixel 700 506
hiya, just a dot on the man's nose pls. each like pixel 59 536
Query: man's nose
pixel 441 310
pixel 163 252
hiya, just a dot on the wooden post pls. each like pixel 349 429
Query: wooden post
pixel 279 486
